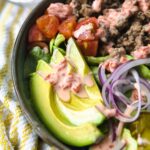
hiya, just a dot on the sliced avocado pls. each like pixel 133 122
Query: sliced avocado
pixel 42 95
pixel 57 57
pixel 140 129
pixel 125 142
pixel 93 92
pixel 76 104
pixel 131 142
pixel 89 115
pixel 74 55
pixel 70 118
pixel 45 68
pixel 78 110
pixel 75 117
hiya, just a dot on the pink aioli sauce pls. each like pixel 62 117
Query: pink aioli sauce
pixel 113 17
pixel 108 144
pixel 65 82
pixel 96 5
pixel 144 5
pixel 106 111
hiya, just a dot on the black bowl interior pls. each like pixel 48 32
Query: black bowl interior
pixel 21 84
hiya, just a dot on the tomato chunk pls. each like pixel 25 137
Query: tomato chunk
pixel 92 20
pixel 86 29
pixel 35 34
pixel 88 48
pixel 68 26
pixel 48 25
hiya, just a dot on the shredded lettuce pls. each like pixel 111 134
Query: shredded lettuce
pixel 31 62
pixel 59 39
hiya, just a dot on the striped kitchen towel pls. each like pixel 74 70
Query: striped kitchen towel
pixel 15 132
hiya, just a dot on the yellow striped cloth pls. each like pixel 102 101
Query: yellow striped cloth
pixel 15 132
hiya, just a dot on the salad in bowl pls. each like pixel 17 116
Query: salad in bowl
pixel 88 69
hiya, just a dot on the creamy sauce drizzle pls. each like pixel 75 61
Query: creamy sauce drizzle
pixel 108 144
pixel 65 82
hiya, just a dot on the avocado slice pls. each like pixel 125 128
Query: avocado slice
pixel 132 143
pixel 89 115
pixel 45 68
pixel 118 144
pixel 86 106
pixel 74 55
pixel 74 117
pixel 75 103
pixel 140 130
pixel 69 115
pixel 42 96
pixel 93 92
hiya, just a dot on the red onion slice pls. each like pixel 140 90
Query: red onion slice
pixel 127 66
pixel 120 78
pixel 102 74
pixel 136 76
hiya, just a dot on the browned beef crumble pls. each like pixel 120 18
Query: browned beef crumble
pixel 135 35
pixel 123 25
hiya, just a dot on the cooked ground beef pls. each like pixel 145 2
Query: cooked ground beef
pixel 86 10
pixel 136 34
pixel 132 37
pixel 112 4
pixel 123 24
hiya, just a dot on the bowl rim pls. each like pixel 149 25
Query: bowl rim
pixel 40 131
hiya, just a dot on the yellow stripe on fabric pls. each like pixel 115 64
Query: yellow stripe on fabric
pixel 8 120
pixel 2 31
pixel 10 89
pixel 4 142
pixel 13 134
pixel 9 8
pixel 6 15
pixel 8 96
pixel 2 5
pixel 8 117
pixel 3 20
pixel 4 70
pixel 10 43
pixel 6 101
pixel 26 131
pixel 1 108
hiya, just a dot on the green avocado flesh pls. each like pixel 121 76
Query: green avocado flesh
pixel 73 122
pixel 132 143
pixel 73 135
pixel 107 143
pixel 140 129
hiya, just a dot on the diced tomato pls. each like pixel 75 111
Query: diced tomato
pixel 67 27
pixel 88 48
pixel 92 20
pixel 48 25
pixel 87 35
pixel 86 29
pixel 35 34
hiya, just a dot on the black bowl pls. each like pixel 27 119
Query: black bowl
pixel 21 84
